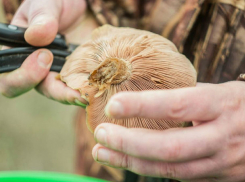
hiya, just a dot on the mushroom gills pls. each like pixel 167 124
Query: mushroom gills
pixel 125 59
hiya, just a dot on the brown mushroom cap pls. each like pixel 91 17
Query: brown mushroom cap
pixel 125 59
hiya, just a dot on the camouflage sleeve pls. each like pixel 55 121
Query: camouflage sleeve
pixel 209 32
pixel 216 43
pixel 116 12
pixel 9 7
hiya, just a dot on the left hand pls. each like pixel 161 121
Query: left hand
pixel 44 19
pixel 212 150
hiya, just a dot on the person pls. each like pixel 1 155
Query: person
pixel 210 34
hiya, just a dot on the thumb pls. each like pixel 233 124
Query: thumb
pixel 43 20
pixel 34 69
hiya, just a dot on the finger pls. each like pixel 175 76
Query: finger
pixel 33 70
pixel 199 84
pixel 185 104
pixel 42 18
pixel 173 145
pixel 182 171
pixel 57 90
pixel 19 18
pixel 204 180
pixel 68 19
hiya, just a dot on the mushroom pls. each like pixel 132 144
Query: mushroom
pixel 125 59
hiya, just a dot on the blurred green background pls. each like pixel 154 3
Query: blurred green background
pixel 35 133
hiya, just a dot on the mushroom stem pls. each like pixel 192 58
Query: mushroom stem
pixel 110 71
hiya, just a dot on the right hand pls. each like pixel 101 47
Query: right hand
pixel 43 19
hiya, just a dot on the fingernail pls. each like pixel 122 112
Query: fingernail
pixel 102 155
pixel 114 109
pixel 80 103
pixel 100 136
pixel 44 59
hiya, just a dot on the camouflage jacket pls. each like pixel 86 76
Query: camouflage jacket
pixel 209 32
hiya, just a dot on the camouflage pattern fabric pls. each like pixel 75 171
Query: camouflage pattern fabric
pixel 209 32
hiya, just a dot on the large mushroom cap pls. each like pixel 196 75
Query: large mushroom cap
pixel 125 59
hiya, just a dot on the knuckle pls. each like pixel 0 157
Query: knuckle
pixel 167 170
pixel 121 144
pixel 177 108
pixel 126 162
pixel 173 150
pixel 114 137
pixel 140 109
pixel 233 97
pixel 32 79
pixel 233 104
pixel 239 157
pixel 36 11
pixel 26 79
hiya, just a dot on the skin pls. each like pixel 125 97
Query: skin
pixel 43 19
pixel 211 151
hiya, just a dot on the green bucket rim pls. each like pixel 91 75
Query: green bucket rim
pixel 36 176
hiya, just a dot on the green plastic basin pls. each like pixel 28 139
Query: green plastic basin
pixel 27 176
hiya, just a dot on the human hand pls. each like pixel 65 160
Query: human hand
pixel 43 19
pixel 212 150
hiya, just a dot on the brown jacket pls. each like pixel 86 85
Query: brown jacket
pixel 211 33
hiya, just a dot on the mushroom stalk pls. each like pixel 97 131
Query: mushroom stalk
pixel 110 71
